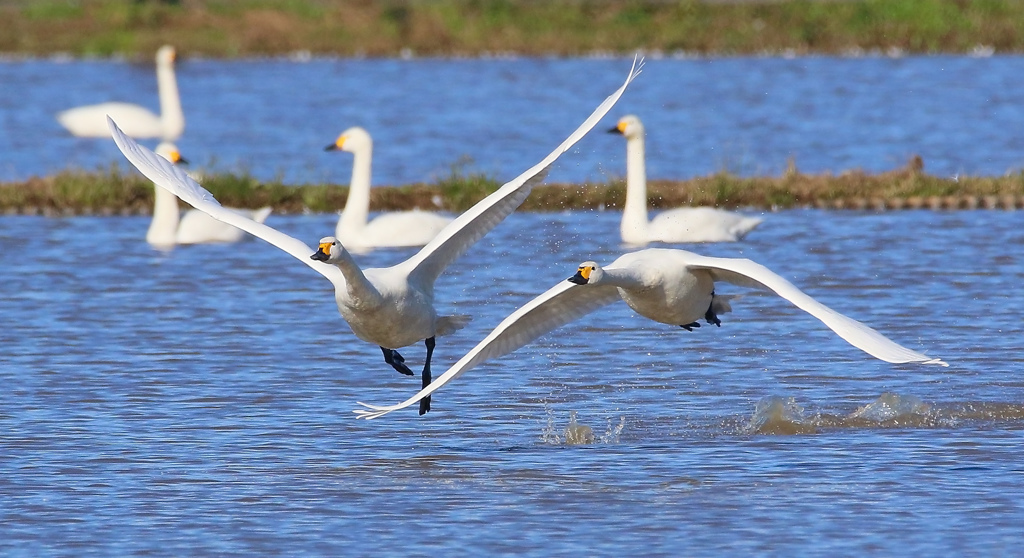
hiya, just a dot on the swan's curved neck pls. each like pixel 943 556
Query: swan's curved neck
pixel 634 213
pixel 359 291
pixel 171 115
pixel 357 205
pixel 163 228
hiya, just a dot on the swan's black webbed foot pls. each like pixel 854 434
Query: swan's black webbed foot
pixel 425 402
pixel 396 361
pixel 712 318
pixel 689 327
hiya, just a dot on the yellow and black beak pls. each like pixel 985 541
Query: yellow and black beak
pixel 322 252
pixel 619 128
pixel 178 159
pixel 582 276
pixel 336 145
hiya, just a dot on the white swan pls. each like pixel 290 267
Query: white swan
pixel 684 224
pixel 167 230
pixel 391 307
pixel 138 122
pixel 403 228
pixel 669 286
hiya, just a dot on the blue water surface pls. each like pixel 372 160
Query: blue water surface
pixel 198 402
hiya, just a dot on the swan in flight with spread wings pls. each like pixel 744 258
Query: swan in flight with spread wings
pixel 684 224
pixel 390 307
pixel 169 228
pixel 396 229
pixel 672 287
pixel 138 122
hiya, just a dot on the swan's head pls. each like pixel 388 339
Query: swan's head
pixel 629 126
pixel 330 250
pixel 588 273
pixel 352 140
pixel 165 55
pixel 169 151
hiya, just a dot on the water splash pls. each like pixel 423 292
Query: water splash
pixel 576 433
pixel 893 407
pixel 611 435
pixel 778 415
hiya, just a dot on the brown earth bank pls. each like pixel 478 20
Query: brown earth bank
pixel 115 192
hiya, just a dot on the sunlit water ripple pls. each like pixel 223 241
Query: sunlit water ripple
pixel 199 401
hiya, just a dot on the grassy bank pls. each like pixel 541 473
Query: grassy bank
pixel 473 27
pixel 113 191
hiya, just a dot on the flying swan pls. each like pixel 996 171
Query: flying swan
pixel 684 224
pixel 672 287
pixel 403 228
pixel 168 228
pixel 390 307
pixel 138 122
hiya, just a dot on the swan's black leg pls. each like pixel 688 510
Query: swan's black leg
pixel 396 361
pixel 710 314
pixel 425 402
pixel 689 327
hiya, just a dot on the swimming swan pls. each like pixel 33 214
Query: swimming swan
pixel 684 224
pixel 668 286
pixel 391 307
pixel 403 228
pixel 167 229
pixel 138 122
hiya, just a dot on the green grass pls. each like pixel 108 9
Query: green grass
pixel 114 190
pixel 531 27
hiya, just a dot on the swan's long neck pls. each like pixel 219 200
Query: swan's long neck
pixel 622 278
pixel 171 115
pixel 359 291
pixel 357 205
pixel 163 228
pixel 634 214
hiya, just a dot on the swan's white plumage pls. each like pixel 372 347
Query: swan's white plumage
pixel 169 228
pixel 669 286
pixel 396 229
pixel 391 307
pixel 685 224
pixel 136 121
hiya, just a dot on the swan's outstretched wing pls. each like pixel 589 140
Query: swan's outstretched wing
pixel 164 174
pixel 471 226
pixel 750 274
pixel 558 306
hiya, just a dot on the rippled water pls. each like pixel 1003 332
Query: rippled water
pixel 748 115
pixel 198 402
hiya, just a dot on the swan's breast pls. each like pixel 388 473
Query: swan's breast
pixel 402 317
pixel 678 297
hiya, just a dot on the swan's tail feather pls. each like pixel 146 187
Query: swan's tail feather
pixel 720 304
pixel 451 324
pixel 746 225
pixel 261 214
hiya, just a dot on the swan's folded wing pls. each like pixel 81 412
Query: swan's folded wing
pixel 164 174
pixel 478 220
pixel 563 303
pixel 751 274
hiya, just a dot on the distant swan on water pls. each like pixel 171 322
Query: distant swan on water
pixel 390 307
pixel 684 224
pixel 169 228
pixel 138 122
pixel 672 287
pixel 396 229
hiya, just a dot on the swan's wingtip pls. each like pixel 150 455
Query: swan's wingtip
pixel 938 361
